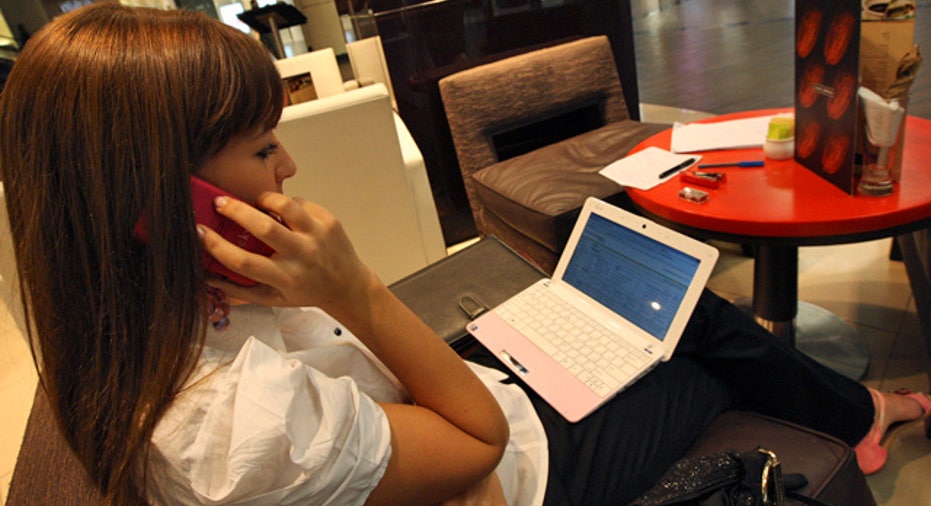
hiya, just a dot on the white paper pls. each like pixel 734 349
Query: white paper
pixel 734 134
pixel 642 169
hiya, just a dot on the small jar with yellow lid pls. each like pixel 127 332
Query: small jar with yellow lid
pixel 780 138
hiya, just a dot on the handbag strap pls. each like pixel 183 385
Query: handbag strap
pixel 801 498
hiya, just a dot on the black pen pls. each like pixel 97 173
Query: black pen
pixel 677 168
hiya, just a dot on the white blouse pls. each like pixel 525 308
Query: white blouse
pixel 282 409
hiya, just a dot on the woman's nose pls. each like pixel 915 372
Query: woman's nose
pixel 286 166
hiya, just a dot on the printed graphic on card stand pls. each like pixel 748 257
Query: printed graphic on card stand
pixel 826 69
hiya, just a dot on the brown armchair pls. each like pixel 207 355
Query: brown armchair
pixel 915 248
pixel 531 133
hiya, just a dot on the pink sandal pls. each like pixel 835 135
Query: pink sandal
pixel 925 404
pixel 871 456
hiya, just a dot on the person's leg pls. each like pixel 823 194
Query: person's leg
pixel 618 452
pixel 772 377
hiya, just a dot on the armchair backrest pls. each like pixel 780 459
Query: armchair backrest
pixel 323 69
pixel 349 160
pixel 9 281
pixel 367 57
pixel 489 99
pixel 916 253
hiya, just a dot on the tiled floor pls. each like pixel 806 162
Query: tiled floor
pixel 17 385
pixel 732 55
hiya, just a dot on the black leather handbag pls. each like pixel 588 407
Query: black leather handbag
pixel 727 478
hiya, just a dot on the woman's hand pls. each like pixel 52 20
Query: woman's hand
pixel 314 263
pixel 455 432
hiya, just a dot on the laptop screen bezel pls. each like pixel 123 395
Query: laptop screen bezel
pixel 705 254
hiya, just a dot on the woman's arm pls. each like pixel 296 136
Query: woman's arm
pixel 487 492
pixel 456 433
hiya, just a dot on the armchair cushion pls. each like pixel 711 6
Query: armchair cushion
pixel 351 159
pixel 539 193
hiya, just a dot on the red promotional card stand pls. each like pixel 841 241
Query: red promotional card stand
pixel 838 47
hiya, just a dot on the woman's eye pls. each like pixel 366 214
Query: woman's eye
pixel 268 151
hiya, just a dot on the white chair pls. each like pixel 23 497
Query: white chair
pixel 367 58
pixel 356 158
pixel 9 282
pixel 323 69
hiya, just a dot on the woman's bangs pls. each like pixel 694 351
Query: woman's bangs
pixel 259 98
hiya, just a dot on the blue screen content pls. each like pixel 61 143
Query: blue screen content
pixel 635 276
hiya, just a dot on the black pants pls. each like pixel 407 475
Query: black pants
pixel 724 361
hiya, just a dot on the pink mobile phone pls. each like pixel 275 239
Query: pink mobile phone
pixel 202 196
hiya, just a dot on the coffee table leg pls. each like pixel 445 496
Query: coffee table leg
pixel 813 330
pixel 775 289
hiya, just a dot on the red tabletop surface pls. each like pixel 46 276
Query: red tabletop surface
pixel 785 200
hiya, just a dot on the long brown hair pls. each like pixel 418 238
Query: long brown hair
pixel 106 112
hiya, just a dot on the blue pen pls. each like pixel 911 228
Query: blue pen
pixel 748 163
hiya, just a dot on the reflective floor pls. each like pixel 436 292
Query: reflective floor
pixel 725 56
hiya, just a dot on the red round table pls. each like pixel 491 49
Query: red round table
pixel 782 206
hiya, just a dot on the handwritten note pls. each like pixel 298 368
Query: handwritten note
pixel 642 169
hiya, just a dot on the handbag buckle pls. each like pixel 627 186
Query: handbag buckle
pixel 472 306
pixel 771 486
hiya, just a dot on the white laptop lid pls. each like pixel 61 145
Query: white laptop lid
pixel 638 274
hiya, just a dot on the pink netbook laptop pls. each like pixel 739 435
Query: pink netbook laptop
pixel 616 306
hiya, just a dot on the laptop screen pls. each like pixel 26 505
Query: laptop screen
pixel 637 277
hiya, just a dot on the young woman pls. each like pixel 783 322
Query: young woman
pixel 345 397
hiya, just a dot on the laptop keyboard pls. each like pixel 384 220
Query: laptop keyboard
pixel 580 344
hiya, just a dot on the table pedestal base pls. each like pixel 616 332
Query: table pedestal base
pixel 823 336
pixel 831 341
pixel 814 331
